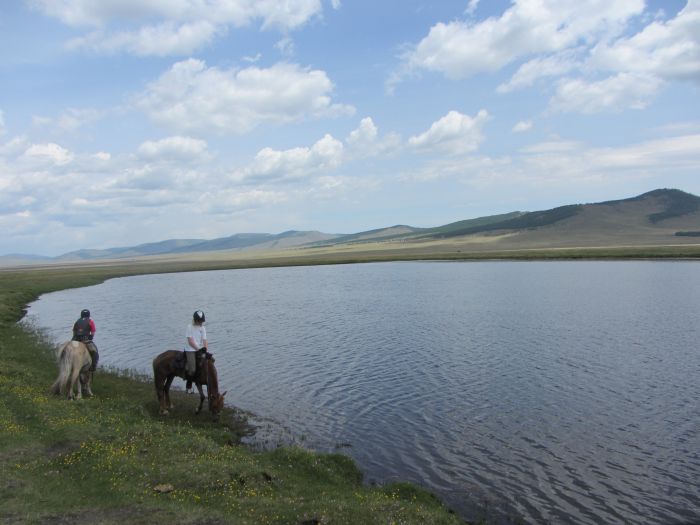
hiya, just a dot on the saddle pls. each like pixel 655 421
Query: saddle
pixel 180 362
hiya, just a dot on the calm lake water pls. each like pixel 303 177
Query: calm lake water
pixel 546 392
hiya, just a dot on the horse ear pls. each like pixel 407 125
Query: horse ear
pixel 222 395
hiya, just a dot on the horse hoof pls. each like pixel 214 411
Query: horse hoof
pixel 163 412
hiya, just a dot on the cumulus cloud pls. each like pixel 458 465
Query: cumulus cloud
pixel 365 141
pixel 668 49
pixel 454 133
pixel 181 27
pixel 192 97
pixel 622 91
pixel 585 47
pixel 460 49
pixel 365 134
pixel 49 152
pixel 173 149
pixel 295 163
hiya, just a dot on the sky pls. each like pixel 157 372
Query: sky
pixel 131 121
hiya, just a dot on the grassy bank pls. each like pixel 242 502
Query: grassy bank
pixel 113 459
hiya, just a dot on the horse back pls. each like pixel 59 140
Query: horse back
pixel 165 361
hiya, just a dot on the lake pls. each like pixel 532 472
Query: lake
pixel 545 392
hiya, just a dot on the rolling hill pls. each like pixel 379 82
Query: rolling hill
pixel 657 218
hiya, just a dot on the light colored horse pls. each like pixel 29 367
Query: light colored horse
pixel 74 363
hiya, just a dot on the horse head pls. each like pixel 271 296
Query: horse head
pixel 216 404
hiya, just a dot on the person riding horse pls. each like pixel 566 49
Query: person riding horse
pixel 196 341
pixel 84 331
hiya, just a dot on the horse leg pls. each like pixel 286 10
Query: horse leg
pixel 166 391
pixel 85 379
pixel 201 398
pixel 75 372
pixel 88 383
pixel 159 383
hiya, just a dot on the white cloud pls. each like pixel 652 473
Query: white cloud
pixel 622 91
pixel 565 161
pixel 471 8
pixel 541 67
pixel 51 152
pixel 285 46
pixel 192 97
pixel 234 200
pixel 454 133
pixel 14 147
pixel 295 163
pixel 181 26
pixel 164 39
pixel 669 49
pixel 173 149
pixel 460 49
pixel 365 134
pixel 522 126
pixel 102 156
pixel 69 120
pixel 365 140
pixel 553 146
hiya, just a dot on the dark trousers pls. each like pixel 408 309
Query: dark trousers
pixel 92 348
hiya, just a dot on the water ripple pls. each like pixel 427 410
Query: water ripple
pixel 520 392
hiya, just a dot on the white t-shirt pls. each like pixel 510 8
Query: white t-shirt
pixel 197 333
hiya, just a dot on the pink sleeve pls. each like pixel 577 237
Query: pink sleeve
pixel 92 326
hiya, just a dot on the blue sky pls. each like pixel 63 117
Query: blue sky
pixel 132 121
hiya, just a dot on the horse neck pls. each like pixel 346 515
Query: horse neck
pixel 212 379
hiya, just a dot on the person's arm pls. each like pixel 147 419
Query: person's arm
pixel 92 327
pixel 190 341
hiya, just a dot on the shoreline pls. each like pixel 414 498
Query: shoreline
pixel 109 458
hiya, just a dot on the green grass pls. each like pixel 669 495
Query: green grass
pixel 113 459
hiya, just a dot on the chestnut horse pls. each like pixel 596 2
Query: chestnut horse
pixel 74 363
pixel 170 364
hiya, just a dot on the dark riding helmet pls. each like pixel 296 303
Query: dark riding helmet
pixel 198 316
pixel 84 314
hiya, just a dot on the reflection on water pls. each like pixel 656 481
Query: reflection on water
pixel 559 392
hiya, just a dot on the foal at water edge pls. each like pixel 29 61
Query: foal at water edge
pixel 74 363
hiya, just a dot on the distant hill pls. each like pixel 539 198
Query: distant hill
pixel 154 248
pixel 658 217
pixel 241 241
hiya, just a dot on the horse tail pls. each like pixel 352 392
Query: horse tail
pixel 64 368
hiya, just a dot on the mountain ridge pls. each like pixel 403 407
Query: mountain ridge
pixel 658 216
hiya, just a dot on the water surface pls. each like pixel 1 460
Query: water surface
pixel 550 392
